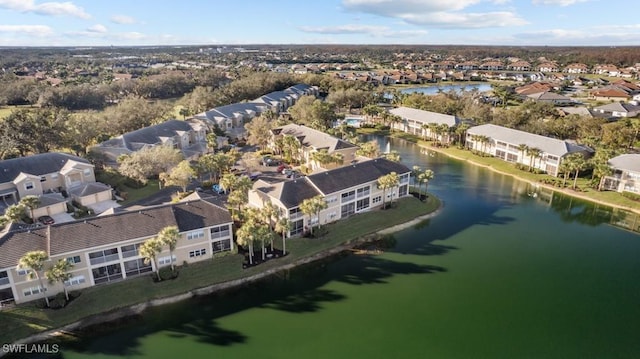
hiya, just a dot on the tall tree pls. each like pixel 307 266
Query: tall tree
pixel 313 206
pixel 246 236
pixel 34 262
pixel 169 236
pixel 283 226
pixel 179 175
pixel 31 202
pixel 149 251
pixel 259 131
pixel 424 177
pixel 387 182
pixel 60 273
pixel 14 212
pixel 534 153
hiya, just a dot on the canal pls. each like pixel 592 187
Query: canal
pixel 504 271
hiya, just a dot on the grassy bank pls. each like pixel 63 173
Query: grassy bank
pixel 585 191
pixel 27 319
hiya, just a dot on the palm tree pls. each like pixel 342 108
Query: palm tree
pixel 228 182
pixel 32 202
pixel 522 148
pixel 283 226
pixel 60 273
pixel 311 206
pixel 291 147
pixel 534 153
pixel 14 212
pixel 169 236
pixel 461 131
pixel 149 251
pixel 577 163
pixel 245 235
pixel 425 177
pixel 386 182
pixel 34 262
pixel 393 156
pixel 269 211
pixel 565 169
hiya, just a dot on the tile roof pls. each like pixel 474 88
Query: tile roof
pixel 353 175
pixel 310 137
pixel 107 229
pixel 628 162
pixel 546 144
pixel 38 165
pixel 425 116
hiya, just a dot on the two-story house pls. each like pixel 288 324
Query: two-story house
pixel 417 122
pixel 626 173
pixel 190 137
pixel 55 178
pixel 104 249
pixel 347 190
pixel 312 141
pixel 504 143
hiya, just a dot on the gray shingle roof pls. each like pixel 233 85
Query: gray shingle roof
pixel 618 107
pixel 425 116
pixel 151 135
pixel 89 189
pixel 627 162
pixel 104 230
pixel 349 176
pixel 290 193
pixel 310 137
pixel 515 137
pixel 38 165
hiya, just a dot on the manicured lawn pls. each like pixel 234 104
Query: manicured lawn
pixel 134 194
pixel 28 319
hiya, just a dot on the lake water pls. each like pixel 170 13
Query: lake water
pixel 432 90
pixel 504 271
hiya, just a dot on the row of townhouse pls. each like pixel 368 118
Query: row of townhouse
pixel 417 122
pixel 104 249
pixel 55 178
pixel 190 136
pixel 348 190
pixel 626 173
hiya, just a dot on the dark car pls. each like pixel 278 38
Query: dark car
pixel 270 161
pixel 46 220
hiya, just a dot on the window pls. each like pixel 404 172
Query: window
pixel 87 172
pixel 105 274
pixel 23 271
pixel 348 209
pixel 4 278
pixel 33 290
pixel 220 246
pixel 106 255
pixel 295 213
pixel 363 192
pixel 404 178
pixel 74 259
pixel 130 250
pixel 198 253
pixel 296 227
pixel 137 266
pixel 165 260
pixel 376 199
pixel 331 199
pixel 77 280
pixel 220 232
pixel 28 185
pixel 195 235
pixel 362 204
pixel 512 157
pixel 403 190
pixel 43 178
pixel 348 196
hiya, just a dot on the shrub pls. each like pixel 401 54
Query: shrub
pixel 207 184
pixel 167 273
pixel 58 302
pixel 632 196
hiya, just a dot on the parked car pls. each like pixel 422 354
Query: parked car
pixel 46 220
pixel 282 167
pixel 270 161
pixel 217 189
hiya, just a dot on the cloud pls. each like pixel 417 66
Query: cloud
pixel 97 28
pixel 444 14
pixel 123 19
pixel 32 30
pixel 46 8
pixel 131 35
pixel 597 36
pixel 349 29
pixel 558 2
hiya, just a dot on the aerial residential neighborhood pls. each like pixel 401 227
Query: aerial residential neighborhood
pixel 243 177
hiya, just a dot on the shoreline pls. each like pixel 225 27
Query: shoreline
pixel 564 191
pixel 139 308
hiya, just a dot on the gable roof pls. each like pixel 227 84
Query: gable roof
pixel 310 137
pixel 101 230
pixel 153 135
pixel 353 175
pixel 627 162
pixel 37 165
pixel 546 144
pixel 289 193
pixel 425 116
pixel 618 107
pixel 548 96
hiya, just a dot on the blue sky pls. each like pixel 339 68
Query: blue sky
pixel 212 22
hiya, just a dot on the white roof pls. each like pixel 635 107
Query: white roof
pixel 425 116
pixel 628 162
pixel 515 137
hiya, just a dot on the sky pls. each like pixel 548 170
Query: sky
pixel 242 22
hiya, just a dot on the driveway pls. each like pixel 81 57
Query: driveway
pixel 63 217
